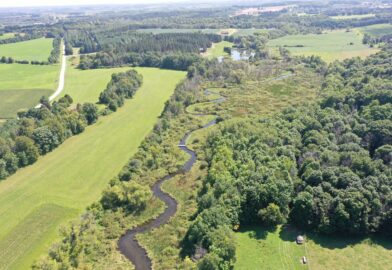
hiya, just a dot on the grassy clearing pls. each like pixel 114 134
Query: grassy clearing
pixel 36 49
pixel 7 36
pixel 334 45
pixel 16 76
pixel 217 49
pixel 258 248
pixel 377 30
pixel 357 16
pixel 13 100
pixel 175 30
pixel 74 175
pixel 248 32
pixel 86 85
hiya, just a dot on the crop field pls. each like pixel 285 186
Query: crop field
pixel 21 86
pixel 217 49
pixel 357 16
pixel 38 198
pixel 258 248
pixel 36 49
pixel 7 35
pixel 377 29
pixel 82 88
pixel 330 46
pixel 13 100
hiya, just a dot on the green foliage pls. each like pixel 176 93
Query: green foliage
pixel 271 215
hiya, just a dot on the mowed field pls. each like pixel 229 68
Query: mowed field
pixel 6 35
pixel 217 49
pixel 86 85
pixel 21 86
pixel 36 49
pixel 330 46
pixel 357 16
pixel 258 248
pixel 377 30
pixel 37 199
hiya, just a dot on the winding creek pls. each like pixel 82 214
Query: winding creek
pixel 128 244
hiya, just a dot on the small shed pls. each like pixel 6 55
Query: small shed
pixel 300 240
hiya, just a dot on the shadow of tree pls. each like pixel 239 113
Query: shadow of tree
pixel 257 232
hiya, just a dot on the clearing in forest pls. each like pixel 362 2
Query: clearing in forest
pixel 377 30
pixel 58 187
pixel 330 46
pixel 217 49
pixel 258 248
pixel 31 50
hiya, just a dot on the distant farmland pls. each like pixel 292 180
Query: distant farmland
pixel 330 46
pixel 36 49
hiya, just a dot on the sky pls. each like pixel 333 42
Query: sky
pixel 29 3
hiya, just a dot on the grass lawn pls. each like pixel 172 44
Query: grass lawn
pixel 330 46
pixel 58 187
pixel 86 85
pixel 349 17
pixel 7 35
pixel 217 49
pixel 377 29
pixel 258 248
pixel 13 100
pixel 36 49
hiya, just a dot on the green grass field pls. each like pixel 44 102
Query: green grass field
pixel 13 100
pixel 349 17
pixel 86 85
pixel 175 30
pixel 21 86
pixel 258 248
pixel 329 46
pixel 36 49
pixel 217 49
pixel 377 29
pixel 7 35
pixel 38 198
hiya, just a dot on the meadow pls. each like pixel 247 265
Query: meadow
pixel 377 29
pixel 6 35
pixel 176 30
pixel 21 86
pixel 330 46
pixel 276 249
pixel 217 49
pixel 38 199
pixel 35 49
pixel 86 85
pixel 356 16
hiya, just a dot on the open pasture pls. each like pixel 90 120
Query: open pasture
pixel 377 30
pixel 21 86
pixel 7 35
pixel 37 199
pixel 356 16
pixel 330 46
pixel 258 248
pixel 35 49
pixel 217 49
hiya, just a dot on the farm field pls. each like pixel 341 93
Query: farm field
pixel 80 85
pixel 277 249
pixel 38 198
pixel 7 35
pixel 349 17
pixel 217 49
pixel 329 46
pixel 21 86
pixel 377 29
pixel 162 31
pixel 36 49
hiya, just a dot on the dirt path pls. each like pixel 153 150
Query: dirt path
pixel 128 245
pixel 60 86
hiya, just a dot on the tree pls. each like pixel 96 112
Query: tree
pixel 90 112
pixel 26 151
pixel 271 215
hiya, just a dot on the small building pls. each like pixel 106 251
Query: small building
pixel 225 33
pixel 300 240
pixel 304 260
